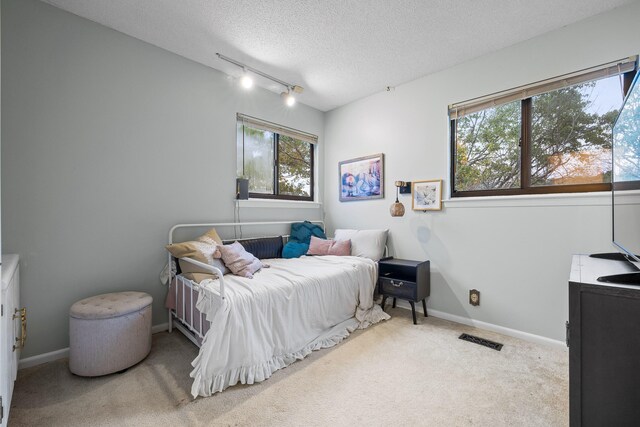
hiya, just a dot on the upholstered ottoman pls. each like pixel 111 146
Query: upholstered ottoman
pixel 109 332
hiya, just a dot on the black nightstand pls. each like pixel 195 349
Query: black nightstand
pixel 404 279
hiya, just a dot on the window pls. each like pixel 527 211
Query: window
pixel 549 137
pixel 278 161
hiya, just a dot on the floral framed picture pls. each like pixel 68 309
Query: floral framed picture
pixel 362 178
pixel 426 195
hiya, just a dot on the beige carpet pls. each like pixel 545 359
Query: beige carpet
pixel 392 374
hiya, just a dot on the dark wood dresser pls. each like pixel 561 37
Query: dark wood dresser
pixel 603 335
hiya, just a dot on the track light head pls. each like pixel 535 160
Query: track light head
pixel 289 99
pixel 246 81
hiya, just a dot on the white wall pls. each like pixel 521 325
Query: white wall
pixel 107 142
pixel 516 252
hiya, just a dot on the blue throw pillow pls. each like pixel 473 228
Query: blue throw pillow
pixel 301 232
pixel 294 250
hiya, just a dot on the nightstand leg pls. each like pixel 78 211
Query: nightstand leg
pixel 384 300
pixel 413 312
pixel 394 303
pixel 424 307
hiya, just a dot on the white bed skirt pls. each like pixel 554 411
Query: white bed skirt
pixel 283 314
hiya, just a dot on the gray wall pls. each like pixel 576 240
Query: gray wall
pixel 107 142
pixel 516 251
pixel 0 129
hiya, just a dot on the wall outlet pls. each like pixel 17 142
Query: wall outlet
pixel 474 297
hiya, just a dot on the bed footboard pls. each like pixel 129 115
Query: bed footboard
pixel 183 313
pixel 214 270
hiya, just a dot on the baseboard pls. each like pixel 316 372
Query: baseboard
pixel 160 328
pixel 39 359
pixel 538 339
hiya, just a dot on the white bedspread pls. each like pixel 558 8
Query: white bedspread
pixel 280 316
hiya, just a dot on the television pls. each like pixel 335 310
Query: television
pixel 625 187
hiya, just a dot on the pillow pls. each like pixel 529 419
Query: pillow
pixel 202 249
pixel 365 243
pixel 264 247
pixel 294 250
pixel 199 277
pixel 301 232
pixel 300 237
pixel 329 247
pixel 239 261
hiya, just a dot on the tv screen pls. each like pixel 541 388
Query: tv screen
pixel 626 175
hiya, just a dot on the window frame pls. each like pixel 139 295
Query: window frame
pixel 273 128
pixel 525 158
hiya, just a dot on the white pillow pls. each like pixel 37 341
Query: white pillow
pixel 365 243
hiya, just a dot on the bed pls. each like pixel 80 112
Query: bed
pixel 249 328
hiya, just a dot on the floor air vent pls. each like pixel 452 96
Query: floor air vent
pixel 481 341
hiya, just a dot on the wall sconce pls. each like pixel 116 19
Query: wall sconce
pixel 397 209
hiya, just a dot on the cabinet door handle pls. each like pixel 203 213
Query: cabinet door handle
pixel 22 315
pixel 397 285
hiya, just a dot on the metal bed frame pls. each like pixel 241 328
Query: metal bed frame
pixel 185 324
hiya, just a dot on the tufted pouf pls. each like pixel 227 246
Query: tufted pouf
pixel 109 332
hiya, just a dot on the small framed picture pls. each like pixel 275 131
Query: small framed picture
pixel 362 178
pixel 426 195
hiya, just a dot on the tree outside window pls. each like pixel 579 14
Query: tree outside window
pixel 278 165
pixel 555 141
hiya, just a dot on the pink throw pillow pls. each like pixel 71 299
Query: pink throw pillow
pixel 318 246
pixel 340 248
pixel 238 260
pixel 329 247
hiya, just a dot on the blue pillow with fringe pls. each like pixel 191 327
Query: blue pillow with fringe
pixel 301 232
pixel 294 250
pixel 300 238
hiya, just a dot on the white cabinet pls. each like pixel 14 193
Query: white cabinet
pixel 12 330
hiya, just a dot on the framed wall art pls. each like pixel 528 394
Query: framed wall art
pixel 426 195
pixel 362 178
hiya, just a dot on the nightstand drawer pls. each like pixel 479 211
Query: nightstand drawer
pixel 397 287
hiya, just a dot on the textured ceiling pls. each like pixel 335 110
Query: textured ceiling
pixel 338 50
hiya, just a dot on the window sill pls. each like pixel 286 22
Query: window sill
pixel 278 204
pixel 600 198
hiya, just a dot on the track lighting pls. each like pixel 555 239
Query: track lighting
pixel 289 99
pixel 247 81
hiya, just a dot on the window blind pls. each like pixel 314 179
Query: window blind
pixel 614 68
pixel 272 127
